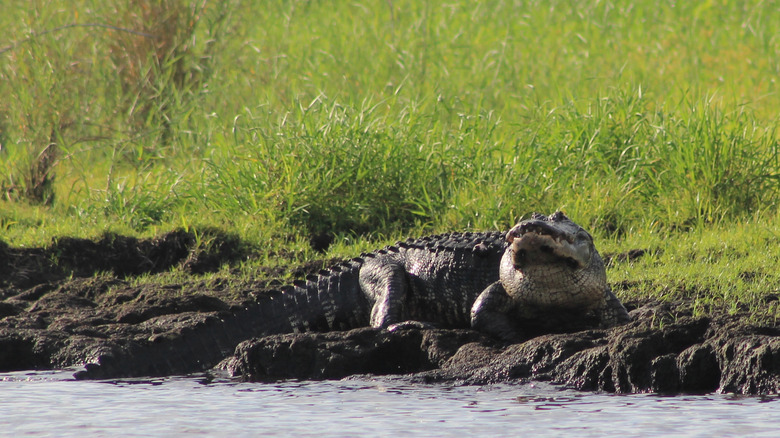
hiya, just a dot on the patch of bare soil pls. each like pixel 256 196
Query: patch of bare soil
pixel 76 301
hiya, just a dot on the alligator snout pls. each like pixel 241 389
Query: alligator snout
pixel 541 228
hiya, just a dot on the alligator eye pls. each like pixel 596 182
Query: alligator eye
pixel 558 216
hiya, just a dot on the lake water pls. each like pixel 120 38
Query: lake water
pixel 52 404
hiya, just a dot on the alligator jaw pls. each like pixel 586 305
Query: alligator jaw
pixel 544 240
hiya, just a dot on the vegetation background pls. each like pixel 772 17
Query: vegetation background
pixel 653 124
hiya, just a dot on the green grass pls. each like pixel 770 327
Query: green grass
pixel 652 124
pixel 724 267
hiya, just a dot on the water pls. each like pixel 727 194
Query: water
pixel 50 403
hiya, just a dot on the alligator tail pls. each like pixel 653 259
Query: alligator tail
pixel 330 300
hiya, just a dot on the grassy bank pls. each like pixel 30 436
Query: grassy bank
pixel 653 125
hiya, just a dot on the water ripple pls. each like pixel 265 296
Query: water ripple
pixel 51 403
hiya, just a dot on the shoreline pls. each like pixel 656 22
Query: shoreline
pixel 82 309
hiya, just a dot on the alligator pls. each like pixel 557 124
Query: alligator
pixel 543 275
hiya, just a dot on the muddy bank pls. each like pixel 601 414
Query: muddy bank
pixel 109 301
pixel 82 301
pixel 691 355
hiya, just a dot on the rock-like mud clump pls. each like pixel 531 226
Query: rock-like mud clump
pixel 100 303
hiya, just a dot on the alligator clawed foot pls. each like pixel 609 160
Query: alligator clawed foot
pixel 406 325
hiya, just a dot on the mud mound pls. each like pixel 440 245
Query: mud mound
pixel 335 355
pixel 78 301
pixel 122 256
pixel 691 355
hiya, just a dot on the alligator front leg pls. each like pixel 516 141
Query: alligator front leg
pixel 385 284
pixel 612 312
pixel 490 313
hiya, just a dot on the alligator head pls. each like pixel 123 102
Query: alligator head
pixel 553 239
pixel 552 262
